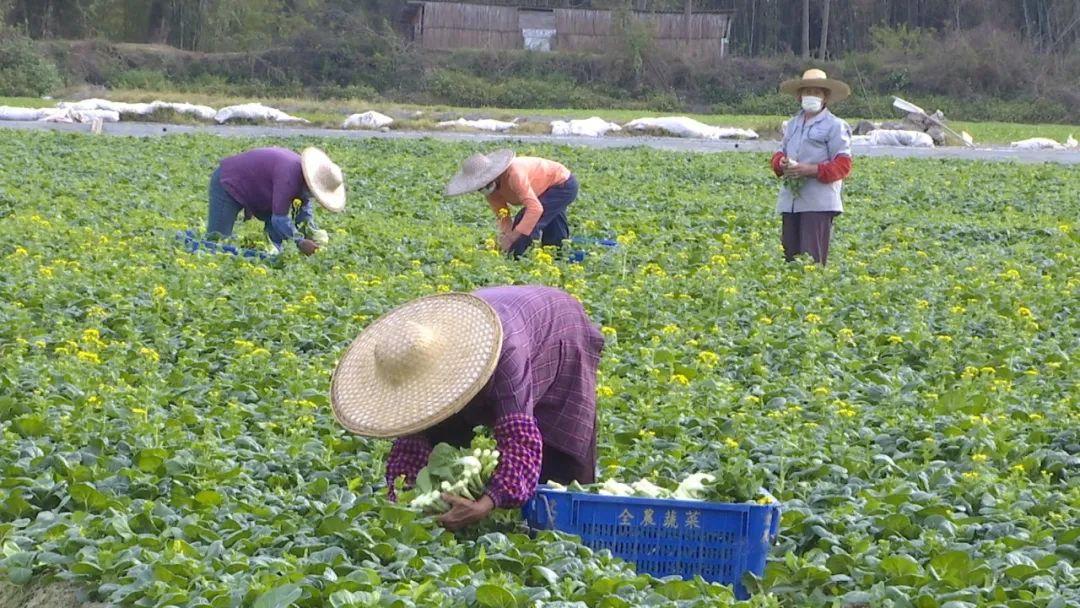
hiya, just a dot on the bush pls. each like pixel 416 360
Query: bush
pixel 24 72
pixel 148 80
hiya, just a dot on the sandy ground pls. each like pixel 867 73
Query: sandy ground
pixel 140 129
pixel 47 595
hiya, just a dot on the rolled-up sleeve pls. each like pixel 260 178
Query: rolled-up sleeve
pixel 521 452
pixel 407 456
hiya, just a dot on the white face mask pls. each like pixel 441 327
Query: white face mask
pixel 488 189
pixel 812 104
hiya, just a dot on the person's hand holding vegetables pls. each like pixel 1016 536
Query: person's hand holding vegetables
pixel 464 512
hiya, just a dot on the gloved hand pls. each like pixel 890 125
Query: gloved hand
pixel 308 247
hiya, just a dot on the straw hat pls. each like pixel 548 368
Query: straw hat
pixel 324 179
pixel 478 171
pixel 417 365
pixel 838 90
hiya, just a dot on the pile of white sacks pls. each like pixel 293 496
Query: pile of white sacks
pixel 1045 143
pixel 103 110
pixel 89 110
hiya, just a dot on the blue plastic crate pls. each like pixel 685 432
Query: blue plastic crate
pixel 718 541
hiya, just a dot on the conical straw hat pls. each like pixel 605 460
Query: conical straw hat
pixel 478 171
pixel 838 89
pixel 417 365
pixel 324 179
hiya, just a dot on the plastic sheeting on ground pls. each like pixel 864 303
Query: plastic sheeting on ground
pixel 483 124
pixel 255 111
pixel 22 114
pixel 1044 143
pixel 367 120
pixel 895 138
pixel 71 115
pixel 589 127
pixel 683 126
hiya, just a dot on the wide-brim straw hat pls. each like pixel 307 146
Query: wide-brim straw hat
pixel 838 89
pixel 417 365
pixel 478 171
pixel 324 179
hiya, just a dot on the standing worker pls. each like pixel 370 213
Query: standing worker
pixel 276 185
pixel 520 360
pixel 814 158
pixel 544 188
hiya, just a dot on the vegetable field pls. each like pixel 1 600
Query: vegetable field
pixel 915 405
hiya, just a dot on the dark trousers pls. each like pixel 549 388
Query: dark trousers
pixel 807 232
pixel 553 227
pixel 563 468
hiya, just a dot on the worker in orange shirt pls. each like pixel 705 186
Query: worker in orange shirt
pixel 543 188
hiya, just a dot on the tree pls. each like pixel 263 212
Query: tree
pixel 824 29
pixel 806 29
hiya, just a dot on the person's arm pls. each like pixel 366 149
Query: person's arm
pixel 407 456
pixel 518 182
pixel 521 450
pixel 777 163
pixel 502 213
pixel 840 166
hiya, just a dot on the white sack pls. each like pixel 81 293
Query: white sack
pixel 21 114
pixel 484 124
pixel 72 116
pixel 367 120
pixel 895 138
pixel 254 111
pixel 140 109
pixel 682 126
pixel 1037 143
pixel 590 127
pixel 200 112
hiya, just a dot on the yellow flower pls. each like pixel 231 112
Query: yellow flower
pixel 846 412
pixel 765 320
pixel 159 292
pixel 608 331
pixel 708 358
pixel 605 391
pixel 1023 311
pixel 1065 228
pixel 1011 274
pixel 987 370
pixel 821 391
pixel 259 270
pixel 1035 416
pixel 969 373
pixel 20 252
pixel 244 344
pixel 89 357
pixel 812 318
pixel 958 310
pixel 753 399
pixel 139 411
pixel 544 257
pixel 309 300
pixel 680 379
pixel 944 338
pixel 260 352
pixel 670 329
pixel 150 353
pixel 971 475
pixel 979 457
pixel 731 443
pixel 846 335
pixel 922 304
pixel 45 271
pixel 626 238
pixel 1019 468
pixel 895 340
pixel 718 260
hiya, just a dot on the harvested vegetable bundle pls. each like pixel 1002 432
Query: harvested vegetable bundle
pixel 460 472
pixel 697 486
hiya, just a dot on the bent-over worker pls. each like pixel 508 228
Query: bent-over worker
pixel 520 360
pixel 277 186
pixel 543 188
pixel 814 158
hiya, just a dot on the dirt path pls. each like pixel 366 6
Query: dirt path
pixel 140 129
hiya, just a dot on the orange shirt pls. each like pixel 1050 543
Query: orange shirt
pixel 524 181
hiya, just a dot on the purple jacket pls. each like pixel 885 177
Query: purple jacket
pixel 547 369
pixel 264 181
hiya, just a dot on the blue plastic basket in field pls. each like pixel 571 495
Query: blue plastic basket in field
pixel 578 255
pixel 194 243
pixel 718 541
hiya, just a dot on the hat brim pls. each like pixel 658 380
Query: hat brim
pixel 331 200
pixel 464 184
pixel 838 89
pixel 471 334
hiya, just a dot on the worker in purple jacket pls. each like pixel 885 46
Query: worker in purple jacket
pixel 519 360
pixel 277 186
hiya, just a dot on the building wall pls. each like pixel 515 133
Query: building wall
pixel 450 25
